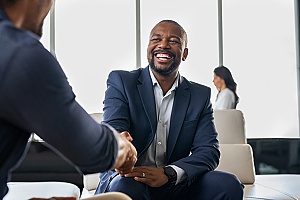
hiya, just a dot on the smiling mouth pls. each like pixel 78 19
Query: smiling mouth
pixel 163 56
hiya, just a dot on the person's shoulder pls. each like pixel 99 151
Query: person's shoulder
pixel 17 37
pixel 227 92
pixel 196 86
pixel 23 47
pixel 126 73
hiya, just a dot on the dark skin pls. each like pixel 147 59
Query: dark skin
pixel 168 46
pixel 22 15
pixel 130 160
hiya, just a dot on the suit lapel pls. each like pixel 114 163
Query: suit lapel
pixel 147 97
pixel 180 105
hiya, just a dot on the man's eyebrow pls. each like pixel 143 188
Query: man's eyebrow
pixel 175 36
pixel 155 34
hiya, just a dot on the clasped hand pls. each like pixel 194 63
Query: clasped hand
pixel 151 176
pixel 127 155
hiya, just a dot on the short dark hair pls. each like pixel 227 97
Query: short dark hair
pixel 181 28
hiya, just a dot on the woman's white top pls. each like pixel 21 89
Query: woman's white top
pixel 225 100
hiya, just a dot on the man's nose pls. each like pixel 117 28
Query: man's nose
pixel 164 44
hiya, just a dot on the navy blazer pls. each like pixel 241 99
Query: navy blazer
pixel 129 105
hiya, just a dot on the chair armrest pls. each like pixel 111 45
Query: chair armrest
pixel 238 159
pixel 90 181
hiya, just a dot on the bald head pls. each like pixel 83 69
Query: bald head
pixel 184 34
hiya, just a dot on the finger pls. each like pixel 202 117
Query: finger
pixel 143 180
pixel 127 136
pixel 125 170
pixel 134 174
pixel 119 171
pixel 140 169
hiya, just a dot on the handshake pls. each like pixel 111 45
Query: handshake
pixel 127 155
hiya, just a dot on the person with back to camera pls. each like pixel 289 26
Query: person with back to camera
pixel 171 122
pixel 227 97
pixel 35 97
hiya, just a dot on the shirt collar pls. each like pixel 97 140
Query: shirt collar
pixel 155 82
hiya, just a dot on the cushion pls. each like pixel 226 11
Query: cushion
pixel 230 125
pixel 238 159
pixel 27 190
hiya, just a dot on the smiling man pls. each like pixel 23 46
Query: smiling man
pixel 170 120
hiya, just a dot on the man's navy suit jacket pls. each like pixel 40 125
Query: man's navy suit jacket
pixel 129 105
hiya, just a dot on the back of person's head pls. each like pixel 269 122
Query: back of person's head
pixel 225 74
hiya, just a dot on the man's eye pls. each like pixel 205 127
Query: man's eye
pixel 155 39
pixel 174 42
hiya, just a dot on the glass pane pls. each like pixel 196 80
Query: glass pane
pixel 259 48
pixel 92 38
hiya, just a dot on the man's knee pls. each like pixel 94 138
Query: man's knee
pixel 129 186
pixel 216 185
pixel 225 183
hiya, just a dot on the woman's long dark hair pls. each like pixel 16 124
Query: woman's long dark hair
pixel 224 73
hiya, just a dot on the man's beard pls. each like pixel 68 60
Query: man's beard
pixel 163 72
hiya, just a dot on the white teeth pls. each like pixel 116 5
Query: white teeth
pixel 161 55
pixel 162 58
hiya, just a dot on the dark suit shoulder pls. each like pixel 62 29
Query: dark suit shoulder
pixel 193 86
pixel 130 78
pixel 127 74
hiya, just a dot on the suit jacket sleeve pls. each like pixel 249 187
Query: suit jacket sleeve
pixel 39 99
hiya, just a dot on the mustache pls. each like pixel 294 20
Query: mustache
pixel 163 51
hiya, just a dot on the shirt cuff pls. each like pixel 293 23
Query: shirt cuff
pixel 181 175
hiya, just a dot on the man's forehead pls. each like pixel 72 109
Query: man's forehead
pixel 165 27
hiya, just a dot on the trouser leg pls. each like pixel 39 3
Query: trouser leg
pixel 134 189
pixel 215 185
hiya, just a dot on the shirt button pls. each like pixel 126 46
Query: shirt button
pixel 159 143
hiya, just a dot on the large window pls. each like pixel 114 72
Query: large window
pixel 94 37
pixel 259 48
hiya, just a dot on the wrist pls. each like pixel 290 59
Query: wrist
pixel 171 174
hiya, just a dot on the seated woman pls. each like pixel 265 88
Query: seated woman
pixel 227 97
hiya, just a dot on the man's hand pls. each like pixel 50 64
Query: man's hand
pixel 152 176
pixel 127 155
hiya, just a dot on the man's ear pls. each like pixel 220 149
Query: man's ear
pixel 185 54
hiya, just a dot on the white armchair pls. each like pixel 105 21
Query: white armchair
pixel 237 158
